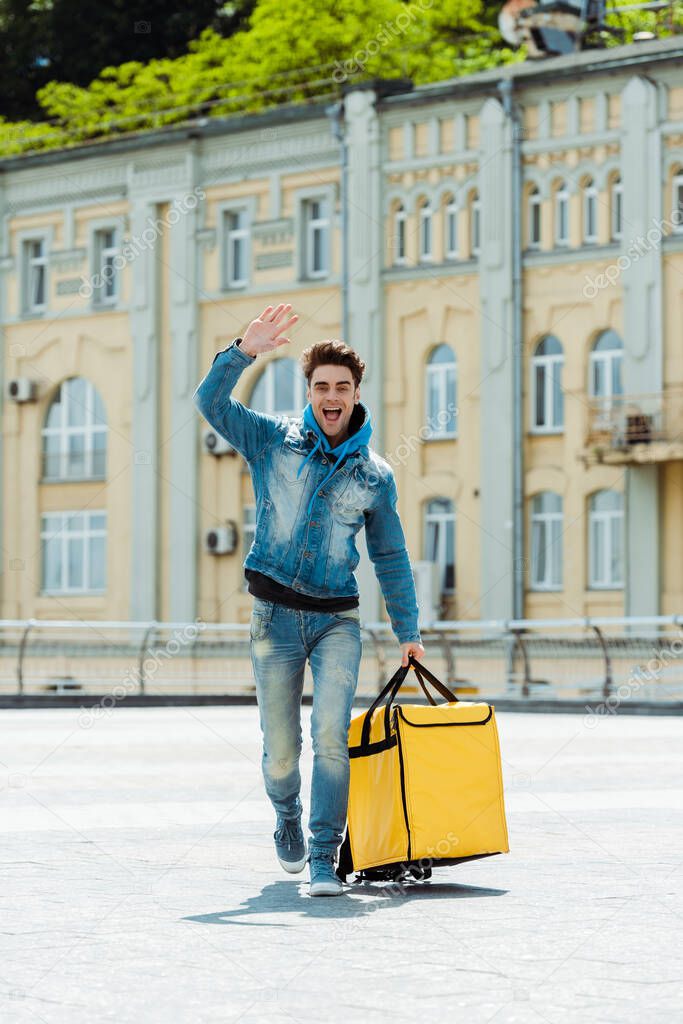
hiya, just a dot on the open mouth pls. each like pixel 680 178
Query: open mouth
pixel 332 414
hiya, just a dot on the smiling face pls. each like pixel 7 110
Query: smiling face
pixel 333 388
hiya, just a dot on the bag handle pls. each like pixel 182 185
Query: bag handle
pixel 393 686
pixel 440 687
pixel 391 690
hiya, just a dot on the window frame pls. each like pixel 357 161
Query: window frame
pixel 561 209
pixel 475 225
pixel 609 357
pixel 228 210
pixel 100 300
pixel 85 534
pixel 546 362
pixel 534 210
pixel 441 371
pixel 546 520
pixel 426 226
pixel 26 239
pixel 267 379
pixel 590 212
pixel 307 227
pixel 241 235
pixel 448 519
pixel 605 520
pixel 64 431
pixel 400 219
pixel 617 210
pixel 451 211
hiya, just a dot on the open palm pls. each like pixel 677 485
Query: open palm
pixel 264 333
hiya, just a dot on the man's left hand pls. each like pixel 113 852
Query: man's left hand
pixel 414 648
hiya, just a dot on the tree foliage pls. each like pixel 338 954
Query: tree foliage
pixel 279 52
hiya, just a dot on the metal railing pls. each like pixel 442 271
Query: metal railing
pixel 598 658
pixel 622 421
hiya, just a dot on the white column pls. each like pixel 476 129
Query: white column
pixel 495 285
pixel 643 344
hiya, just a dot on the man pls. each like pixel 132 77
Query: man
pixel 316 484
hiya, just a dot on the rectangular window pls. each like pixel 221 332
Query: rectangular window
pixel 35 275
pixel 248 532
pixel 606 550
pixel 534 221
pixel 236 234
pixel 105 282
pixel 425 233
pixel 451 232
pixel 400 252
pixel 476 226
pixel 74 551
pixel 617 211
pixel 590 216
pixel 562 217
pixel 316 238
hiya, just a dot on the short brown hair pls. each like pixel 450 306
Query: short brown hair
pixel 333 352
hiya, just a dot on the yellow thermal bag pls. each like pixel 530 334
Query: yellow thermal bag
pixel 426 787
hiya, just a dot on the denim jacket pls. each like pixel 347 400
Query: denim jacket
pixel 315 555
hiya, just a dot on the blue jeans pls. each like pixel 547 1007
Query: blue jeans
pixel 282 639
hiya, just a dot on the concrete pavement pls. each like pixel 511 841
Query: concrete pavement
pixel 140 884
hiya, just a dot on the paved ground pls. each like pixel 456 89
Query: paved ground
pixel 139 884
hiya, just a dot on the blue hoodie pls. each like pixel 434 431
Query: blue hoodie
pixel 356 440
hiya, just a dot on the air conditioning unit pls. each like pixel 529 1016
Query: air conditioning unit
pixel 215 444
pixel 21 389
pixel 221 540
pixel 427 576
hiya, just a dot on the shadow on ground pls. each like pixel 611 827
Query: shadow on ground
pixel 293 896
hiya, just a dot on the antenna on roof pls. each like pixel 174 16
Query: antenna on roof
pixel 554 27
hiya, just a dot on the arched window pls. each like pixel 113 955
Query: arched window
pixel 546 541
pixel 562 214
pixel 616 210
pixel 534 218
pixel 442 393
pixel 74 435
pixel 606 541
pixel 439 539
pixel 606 362
pixel 280 390
pixel 426 253
pixel 475 224
pixel 547 396
pixel 590 212
pixel 400 234
pixel 450 247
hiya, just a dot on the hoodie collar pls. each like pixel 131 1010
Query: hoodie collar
pixel 361 426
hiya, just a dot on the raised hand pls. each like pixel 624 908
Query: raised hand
pixel 263 333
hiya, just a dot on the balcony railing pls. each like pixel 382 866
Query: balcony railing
pixel 636 428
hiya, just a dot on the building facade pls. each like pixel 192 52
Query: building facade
pixel 505 251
